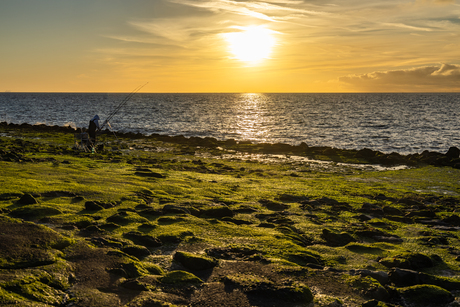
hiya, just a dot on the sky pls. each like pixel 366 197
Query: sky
pixel 230 45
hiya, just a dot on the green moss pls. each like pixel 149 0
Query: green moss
pixel 33 289
pixel 364 248
pixel 10 298
pixel 153 268
pixel 180 277
pixel 194 262
pixel 426 295
pixel 363 283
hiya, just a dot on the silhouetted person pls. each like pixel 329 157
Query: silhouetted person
pixel 93 127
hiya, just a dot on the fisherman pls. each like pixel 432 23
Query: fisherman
pixel 93 127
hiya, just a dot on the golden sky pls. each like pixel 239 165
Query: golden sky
pixel 230 45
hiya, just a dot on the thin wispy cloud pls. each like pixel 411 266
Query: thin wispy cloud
pixel 445 76
pixel 404 26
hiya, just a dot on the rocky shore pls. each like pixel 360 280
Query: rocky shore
pixel 450 158
pixel 150 221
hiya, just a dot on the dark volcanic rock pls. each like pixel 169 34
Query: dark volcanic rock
pixel 404 278
pixel 337 239
pixel 217 211
pixel 453 153
pixel 136 251
pixel 194 262
pixel 273 205
pixel 425 295
pixel 142 239
pixel 93 206
pixel 27 199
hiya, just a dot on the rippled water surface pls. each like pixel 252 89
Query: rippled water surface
pixel 405 123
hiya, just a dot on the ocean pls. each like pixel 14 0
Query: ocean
pixel 403 123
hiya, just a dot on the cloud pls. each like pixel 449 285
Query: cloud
pixel 265 10
pixel 404 26
pixel 428 78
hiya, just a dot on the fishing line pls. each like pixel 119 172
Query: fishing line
pixel 122 103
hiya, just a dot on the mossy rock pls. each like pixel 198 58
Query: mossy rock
pixel 305 257
pixel 147 299
pixel 369 287
pixel 364 249
pixel 153 269
pixel 180 278
pixel 142 239
pixel 125 218
pixel 34 212
pixel 28 245
pixel 425 295
pixel 279 295
pixel 194 262
pixel 33 289
pixel 9 298
pixel 131 269
pixel 136 251
pixel 175 237
pixel 412 261
pixel 217 212
pixel 337 239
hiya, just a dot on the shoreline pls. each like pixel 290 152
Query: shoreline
pixel 451 158
pixel 142 226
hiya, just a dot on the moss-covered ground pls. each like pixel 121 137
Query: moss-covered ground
pixel 145 222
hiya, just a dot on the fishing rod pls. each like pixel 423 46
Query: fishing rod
pixel 122 103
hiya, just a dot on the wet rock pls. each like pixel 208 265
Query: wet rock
pixel 336 239
pixel 194 262
pixel 425 295
pixel 366 153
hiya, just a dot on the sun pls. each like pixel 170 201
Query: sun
pixel 251 44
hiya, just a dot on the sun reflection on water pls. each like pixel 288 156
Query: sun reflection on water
pixel 251 117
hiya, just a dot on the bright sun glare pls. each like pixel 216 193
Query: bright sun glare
pixel 251 44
